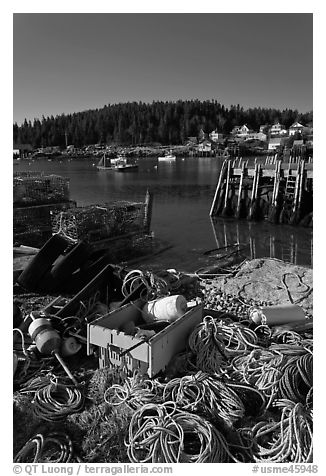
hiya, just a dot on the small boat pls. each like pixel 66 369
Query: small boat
pixel 122 165
pixel 125 167
pixel 117 160
pixel 104 163
pixel 168 156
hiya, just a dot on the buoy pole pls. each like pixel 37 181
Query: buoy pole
pixel 65 368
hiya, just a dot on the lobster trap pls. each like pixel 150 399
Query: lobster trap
pixel 36 188
pixel 32 226
pixel 100 222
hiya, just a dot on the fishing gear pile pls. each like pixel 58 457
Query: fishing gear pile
pixel 166 434
pixel 244 394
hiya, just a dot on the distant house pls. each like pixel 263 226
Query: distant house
pixel 256 136
pixel 202 135
pixel 241 132
pixel 295 128
pixel 215 136
pixel 192 139
pixel 22 150
pixel 277 129
pixel 205 146
pixel 298 143
pixel 274 143
pixel 263 128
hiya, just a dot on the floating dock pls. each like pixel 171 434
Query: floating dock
pixel 271 189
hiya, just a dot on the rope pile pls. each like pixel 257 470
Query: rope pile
pixel 206 343
pixel 205 395
pixel 291 436
pixel 165 434
pixel 36 448
pixel 154 285
pixel 215 340
pixel 282 371
pixel 134 392
pixel 55 401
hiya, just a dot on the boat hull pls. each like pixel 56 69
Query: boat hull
pixel 167 158
pixel 125 168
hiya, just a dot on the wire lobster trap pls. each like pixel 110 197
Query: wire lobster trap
pixel 36 188
pixel 99 222
pixel 32 226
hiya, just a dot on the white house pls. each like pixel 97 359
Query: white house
pixel 215 136
pixel 240 131
pixel 257 136
pixel 205 146
pixel 296 127
pixel 277 129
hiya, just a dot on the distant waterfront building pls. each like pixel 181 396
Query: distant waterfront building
pixel 264 128
pixel 215 136
pixel 277 129
pixel 256 136
pixel 205 146
pixel 298 143
pixel 296 128
pixel 274 143
pixel 240 131
pixel 22 150
pixel 202 135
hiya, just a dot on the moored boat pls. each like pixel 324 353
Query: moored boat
pixel 168 156
pixel 122 165
pixel 104 163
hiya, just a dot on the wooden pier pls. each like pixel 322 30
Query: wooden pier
pixel 269 188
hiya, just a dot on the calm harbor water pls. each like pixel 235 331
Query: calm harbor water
pixel 183 191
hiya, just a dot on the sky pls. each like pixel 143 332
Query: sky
pixel 70 62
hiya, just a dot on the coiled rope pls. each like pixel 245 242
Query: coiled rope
pixel 55 401
pixel 205 395
pixel 206 343
pixel 134 392
pixel 165 434
pixel 154 286
pixel 283 371
pixel 37 446
pixel 286 440
pixel 213 341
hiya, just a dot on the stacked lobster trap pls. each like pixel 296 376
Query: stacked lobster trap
pixel 97 222
pixel 35 196
pixel 120 227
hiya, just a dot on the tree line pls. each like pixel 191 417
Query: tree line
pixel 132 123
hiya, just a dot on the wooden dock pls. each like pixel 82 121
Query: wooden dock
pixel 265 189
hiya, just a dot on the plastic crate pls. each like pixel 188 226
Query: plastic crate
pixel 151 356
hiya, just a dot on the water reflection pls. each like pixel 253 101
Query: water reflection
pixel 260 240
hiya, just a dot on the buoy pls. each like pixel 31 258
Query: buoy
pixel 48 341
pixel 69 346
pixel 168 308
pixel 280 314
pixel 45 337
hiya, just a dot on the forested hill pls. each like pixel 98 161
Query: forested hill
pixel 138 123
